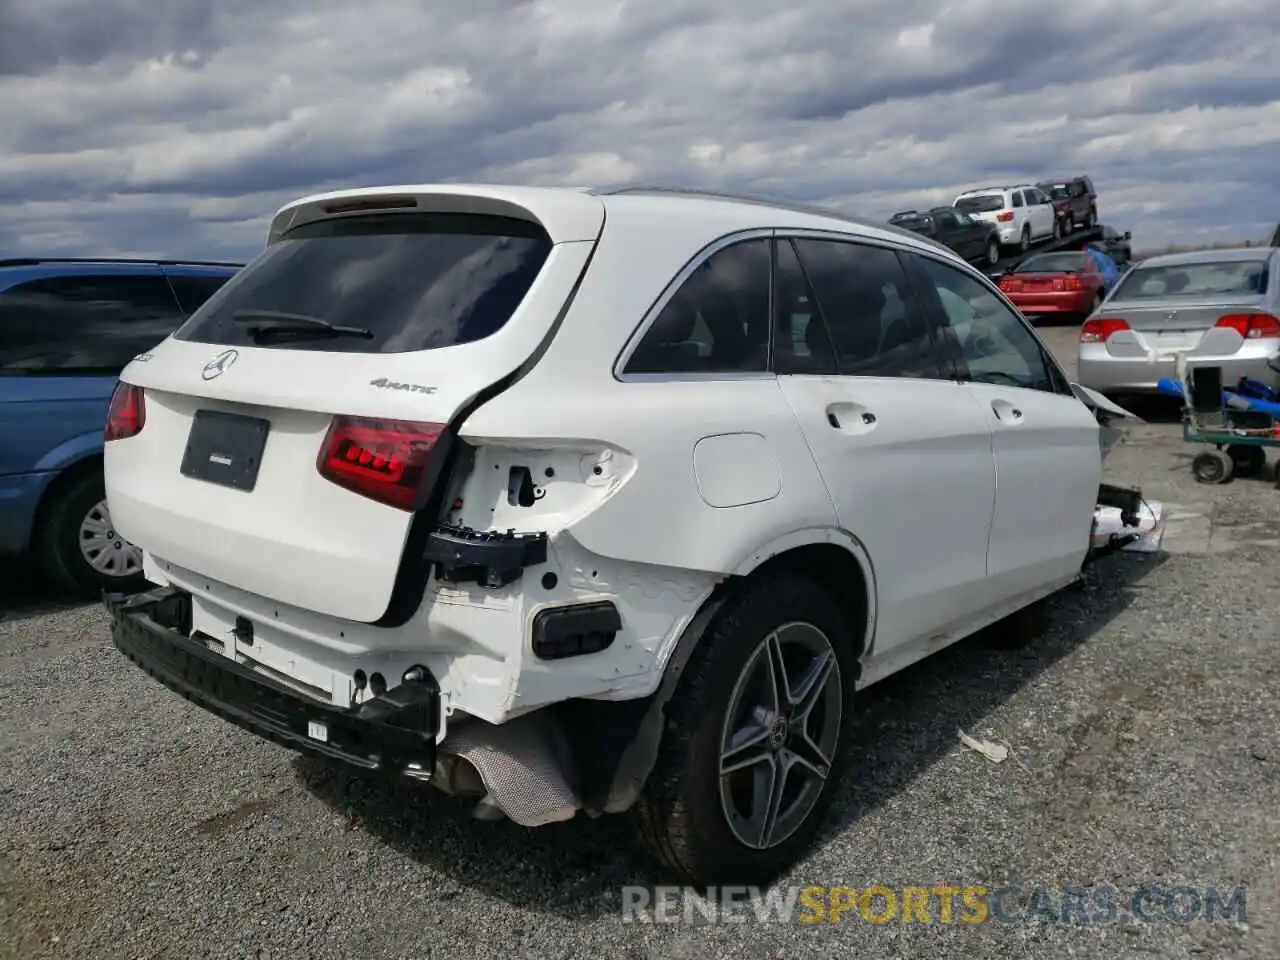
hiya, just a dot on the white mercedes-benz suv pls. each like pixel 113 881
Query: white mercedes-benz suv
pixel 592 500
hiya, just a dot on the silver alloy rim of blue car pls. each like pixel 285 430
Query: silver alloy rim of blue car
pixel 104 549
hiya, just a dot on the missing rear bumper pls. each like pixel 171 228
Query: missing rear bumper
pixel 487 557
pixel 394 733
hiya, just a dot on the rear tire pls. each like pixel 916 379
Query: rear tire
pixel 1024 240
pixel 690 816
pixel 993 252
pixel 1247 460
pixel 79 549
pixel 1212 466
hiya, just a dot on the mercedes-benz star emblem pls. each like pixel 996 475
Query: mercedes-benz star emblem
pixel 219 364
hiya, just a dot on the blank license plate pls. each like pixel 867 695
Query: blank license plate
pixel 1177 341
pixel 225 448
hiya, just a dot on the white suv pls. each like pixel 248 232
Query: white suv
pixel 1023 213
pixel 590 500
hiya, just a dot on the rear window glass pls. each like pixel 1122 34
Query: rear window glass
pixel 1229 278
pixel 986 203
pixel 391 283
pixel 912 221
pixel 1053 263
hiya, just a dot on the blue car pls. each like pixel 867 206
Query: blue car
pixel 67 329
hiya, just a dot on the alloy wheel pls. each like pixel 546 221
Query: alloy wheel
pixel 780 735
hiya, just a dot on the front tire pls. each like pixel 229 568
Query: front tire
pixel 79 548
pixel 756 737
pixel 993 252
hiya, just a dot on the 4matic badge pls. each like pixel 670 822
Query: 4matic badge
pixel 382 383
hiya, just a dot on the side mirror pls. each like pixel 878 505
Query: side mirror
pixel 1128 235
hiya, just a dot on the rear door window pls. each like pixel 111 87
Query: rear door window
pixel 83 324
pixel 396 283
pixel 192 291
pixel 871 315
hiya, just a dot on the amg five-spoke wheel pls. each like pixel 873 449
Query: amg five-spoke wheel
pixel 780 733
pixel 754 740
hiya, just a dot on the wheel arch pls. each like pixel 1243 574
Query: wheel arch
pixel 835 559
pixel 70 474
pixel 627 734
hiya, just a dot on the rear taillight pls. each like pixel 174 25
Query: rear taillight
pixel 1010 285
pixel 1072 282
pixel 1251 326
pixel 1005 217
pixel 384 460
pixel 1099 331
pixel 126 414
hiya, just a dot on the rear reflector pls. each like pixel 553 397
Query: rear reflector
pixel 126 414
pixel 1251 326
pixel 1099 331
pixel 384 460
pixel 1005 217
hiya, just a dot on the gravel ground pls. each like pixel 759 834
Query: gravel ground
pixel 1143 720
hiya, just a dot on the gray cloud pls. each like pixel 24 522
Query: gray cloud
pixel 179 127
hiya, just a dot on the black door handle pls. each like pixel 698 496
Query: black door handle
pixel 868 418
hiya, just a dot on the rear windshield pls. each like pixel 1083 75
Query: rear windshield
pixel 1231 278
pixel 1053 263
pixel 912 221
pixel 408 281
pixel 986 203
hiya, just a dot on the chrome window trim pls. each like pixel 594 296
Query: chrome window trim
pixel 669 291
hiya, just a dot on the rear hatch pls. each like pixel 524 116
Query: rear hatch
pixel 294 423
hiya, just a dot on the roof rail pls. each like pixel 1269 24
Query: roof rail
pixel 160 262
pixel 788 205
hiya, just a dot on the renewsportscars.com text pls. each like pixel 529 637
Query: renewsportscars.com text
pixel 940 903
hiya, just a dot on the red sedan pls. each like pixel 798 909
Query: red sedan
pixel 1058 283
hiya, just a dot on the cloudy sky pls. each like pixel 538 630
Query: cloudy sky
pixel 176 127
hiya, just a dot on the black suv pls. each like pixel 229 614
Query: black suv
pixel 1075 202
pixel 975 240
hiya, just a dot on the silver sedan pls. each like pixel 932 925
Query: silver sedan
pixel 1218 307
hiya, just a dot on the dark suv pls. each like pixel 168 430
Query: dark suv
pixel 67 329
pixel 975 240
pixel 1075 202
